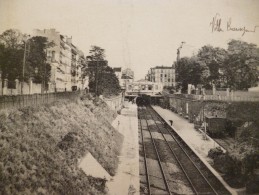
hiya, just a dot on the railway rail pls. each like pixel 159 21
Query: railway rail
pixel 198 176
pixel 150 188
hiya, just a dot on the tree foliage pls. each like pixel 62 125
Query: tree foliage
pixel 241 65
pixel 37 66
pixel 12 50
pixel 102 79
pixel 11 54
pixel 191 71
pixel 236 67
pixel 214 60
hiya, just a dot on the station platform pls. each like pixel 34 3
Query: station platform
pixel 126 180
pixel 196 140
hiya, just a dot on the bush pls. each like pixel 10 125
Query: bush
pixel 215 152
pixel 40 148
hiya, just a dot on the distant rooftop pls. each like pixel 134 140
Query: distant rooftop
pixel 163 67
pixel 126 77
pixel 117 69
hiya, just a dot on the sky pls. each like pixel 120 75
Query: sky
pixel 136 34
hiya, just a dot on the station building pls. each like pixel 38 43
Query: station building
pixel 143 87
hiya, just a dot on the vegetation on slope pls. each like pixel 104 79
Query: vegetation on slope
pixel 40 147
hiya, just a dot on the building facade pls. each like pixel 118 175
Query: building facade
pixel 118 73
pixel 124 76
pixel 66 62
pixel 126 80
pixel 162 74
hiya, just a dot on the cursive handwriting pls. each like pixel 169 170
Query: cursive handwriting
pixel 216 26
pixel 241 29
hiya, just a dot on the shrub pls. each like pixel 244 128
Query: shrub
pixel 215 152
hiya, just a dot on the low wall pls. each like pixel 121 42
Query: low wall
pixel 115 103
pixel 198 109
pixel 19 101
pixel 232 97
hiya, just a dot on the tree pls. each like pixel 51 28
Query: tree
pixel 108 83
pixel 11 54
pixel 102 79
pixel 240 67
pixel 236 68
pixel 12 49
pixel 191 71
pixel 12 38
pixel 214 59
pixel 37 65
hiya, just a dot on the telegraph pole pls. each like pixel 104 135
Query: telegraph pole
pixel 96 79
pixel 177 61
pixel 178 51
pixel 23 64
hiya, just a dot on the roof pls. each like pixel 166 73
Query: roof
pixel 163 67
pixel 117 69
pixel 142 80
pixel 126 77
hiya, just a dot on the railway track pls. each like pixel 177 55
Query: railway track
pixel 156 183
pixel 171 148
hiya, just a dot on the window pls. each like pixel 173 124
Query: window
pixel 168 79
pixel 165 75
pixel 161 79
pixel 161 75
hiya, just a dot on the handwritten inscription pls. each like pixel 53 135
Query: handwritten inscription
pixel 217 26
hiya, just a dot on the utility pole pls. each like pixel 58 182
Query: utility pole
pixel 177 61
pixel 178 51
pixel 96 78
pixel 23 64
pixel 43 76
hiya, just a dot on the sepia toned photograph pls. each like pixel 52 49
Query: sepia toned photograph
pixel 129 97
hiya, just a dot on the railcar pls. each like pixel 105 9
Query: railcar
pixel 216 126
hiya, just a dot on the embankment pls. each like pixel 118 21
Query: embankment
pixel 41 147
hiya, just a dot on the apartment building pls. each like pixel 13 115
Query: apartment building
pixel 66 62
pixel 124 76
pixel 162 74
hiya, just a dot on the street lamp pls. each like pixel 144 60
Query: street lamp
pixel 24 61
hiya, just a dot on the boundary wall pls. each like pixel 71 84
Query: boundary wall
pixel 115 103
pixel 19 101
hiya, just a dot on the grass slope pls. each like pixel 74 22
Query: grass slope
pixel 40 147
